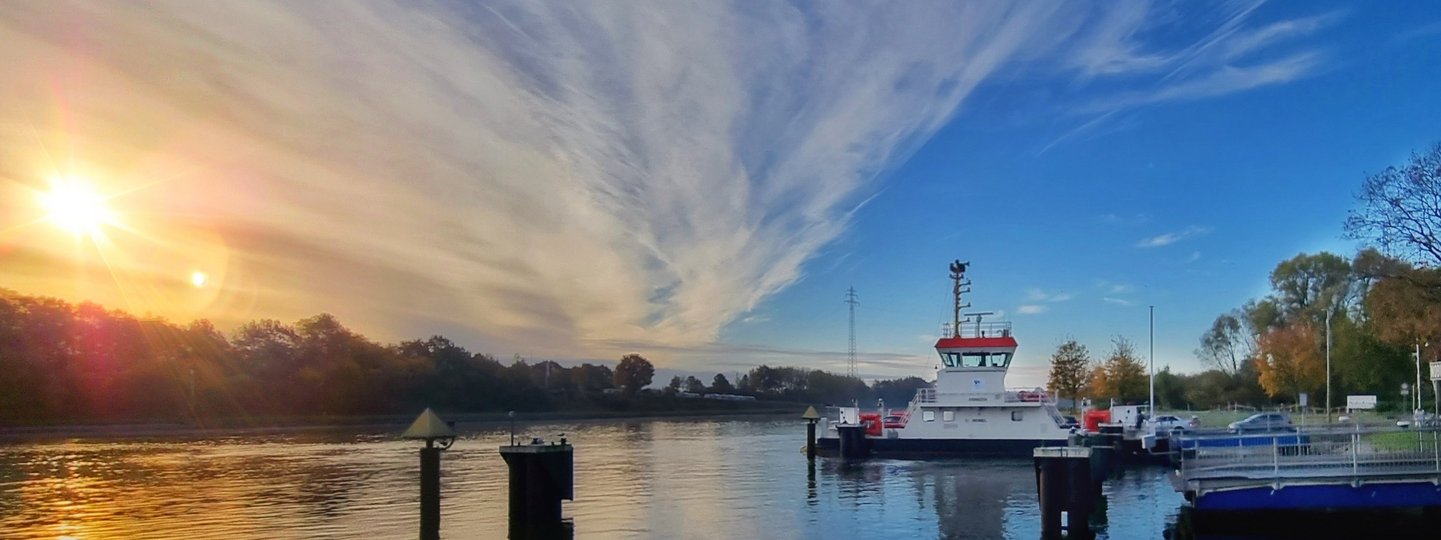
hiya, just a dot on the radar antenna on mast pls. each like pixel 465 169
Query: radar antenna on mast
pixel 962 285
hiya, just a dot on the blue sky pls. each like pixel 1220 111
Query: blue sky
pixel 1186 205
pixel 700 182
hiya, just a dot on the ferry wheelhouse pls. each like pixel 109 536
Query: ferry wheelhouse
pixel 968 411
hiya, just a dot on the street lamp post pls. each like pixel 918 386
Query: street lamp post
pixel 1328 366
pixel 1416 397
pixel 1152 401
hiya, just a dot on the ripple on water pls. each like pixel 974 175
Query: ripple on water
pixel 662 479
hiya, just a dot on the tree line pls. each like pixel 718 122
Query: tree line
pixel 65 363
pixel 1373 312
pixel 76 363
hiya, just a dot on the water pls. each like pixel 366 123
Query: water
pixel 634 479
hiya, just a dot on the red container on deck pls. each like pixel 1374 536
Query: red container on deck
pixel 872 421
pixel 1093 419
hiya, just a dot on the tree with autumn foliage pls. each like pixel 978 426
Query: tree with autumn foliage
pixel 1289 362
pixel 1122 375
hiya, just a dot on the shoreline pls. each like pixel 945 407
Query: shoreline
pixel 465 422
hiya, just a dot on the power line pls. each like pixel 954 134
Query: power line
pixel 853 301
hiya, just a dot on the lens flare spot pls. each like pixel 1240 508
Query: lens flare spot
pixel 199 279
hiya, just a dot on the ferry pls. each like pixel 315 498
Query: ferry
pixel 968 411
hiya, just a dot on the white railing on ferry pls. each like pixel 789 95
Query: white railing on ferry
pixel 973 330
pixel 1355 453
pixel 926 395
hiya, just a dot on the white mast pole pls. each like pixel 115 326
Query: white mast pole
pixel 1153 362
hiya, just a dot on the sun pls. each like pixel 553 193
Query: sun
pixel 199 279
pixel 76 206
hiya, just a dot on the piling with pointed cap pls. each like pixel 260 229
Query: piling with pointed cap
pixel 438 435
pixel 811 417
pixel 430 428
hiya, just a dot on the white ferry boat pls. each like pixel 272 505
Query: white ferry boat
pixel 968 411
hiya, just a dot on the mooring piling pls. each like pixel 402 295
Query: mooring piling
pixel 811 417
pixel 438 436
pixel 853 441
pixel 541 475
pixel 1068 488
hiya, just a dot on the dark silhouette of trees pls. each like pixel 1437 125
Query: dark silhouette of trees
pixel 800 384
pixel 1401 209
pixel 898 392
pixel 633 373
pixel 693 385
pixel 720 385
pixel 589 378
pixel 76 363
pixel 1228 344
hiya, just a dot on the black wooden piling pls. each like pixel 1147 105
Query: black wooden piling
pixel 429 493
pixel 811 441
pixel 541 475
pixel 811 417
pixel 853 441
pixel 1067 483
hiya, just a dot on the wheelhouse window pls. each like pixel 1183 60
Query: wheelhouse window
pixel 948 416
pixel 1016 416
pixel 928 416
pixel 976 359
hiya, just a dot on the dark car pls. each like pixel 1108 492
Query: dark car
pixel 1261 422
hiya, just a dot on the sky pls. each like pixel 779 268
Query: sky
pixel 700 182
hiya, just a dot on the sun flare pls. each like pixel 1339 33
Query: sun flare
pixel 199 279
pixel 76 206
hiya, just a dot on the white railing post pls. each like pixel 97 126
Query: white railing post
pixel 1355 441
pixel 1435 450
pixel 1275 457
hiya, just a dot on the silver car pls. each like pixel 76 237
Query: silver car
pixel 1261 422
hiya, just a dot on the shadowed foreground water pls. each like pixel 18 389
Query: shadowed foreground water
pixel 634 479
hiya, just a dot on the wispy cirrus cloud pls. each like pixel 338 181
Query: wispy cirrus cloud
pixel 1032 309
pixel 1235 52
pixel 1128 219
pixel 1118 301
pixel 1038 295
pixel 551 178
pixel 1169 238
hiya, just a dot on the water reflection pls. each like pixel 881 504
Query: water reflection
pixel 634 479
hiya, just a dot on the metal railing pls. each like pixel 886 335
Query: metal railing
pixel 1355 453
pixel 975 330
pixel 1011 395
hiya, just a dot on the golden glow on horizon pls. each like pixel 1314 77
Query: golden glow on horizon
pixel 198 279
pixel 76 206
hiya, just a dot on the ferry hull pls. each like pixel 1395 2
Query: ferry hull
pixel 939 448
pixel 1323 497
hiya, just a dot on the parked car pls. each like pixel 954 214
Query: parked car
pixel 1261 422
pixel 1167 423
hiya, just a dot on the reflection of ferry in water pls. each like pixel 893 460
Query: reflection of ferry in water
pixel 968 411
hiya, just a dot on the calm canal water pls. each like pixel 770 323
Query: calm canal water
pixel 634 479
